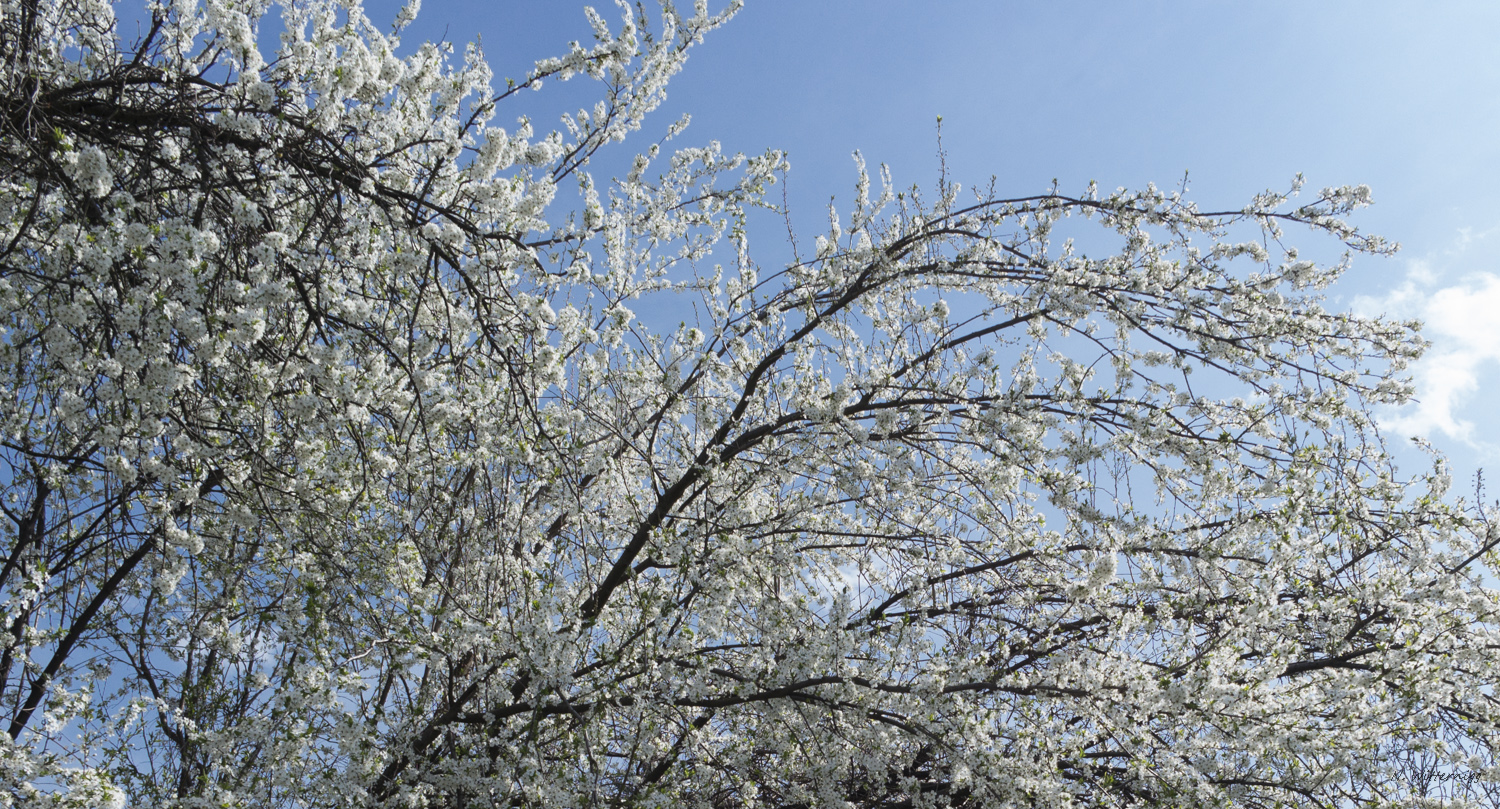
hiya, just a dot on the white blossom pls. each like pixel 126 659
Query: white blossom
pixel 344 466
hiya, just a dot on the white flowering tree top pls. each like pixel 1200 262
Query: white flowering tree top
pixel 337 470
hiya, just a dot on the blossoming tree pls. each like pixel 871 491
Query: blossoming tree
pixel 338 471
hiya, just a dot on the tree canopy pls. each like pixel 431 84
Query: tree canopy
pixel 358 451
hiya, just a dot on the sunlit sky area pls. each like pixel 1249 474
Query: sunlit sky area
pixel 1239 96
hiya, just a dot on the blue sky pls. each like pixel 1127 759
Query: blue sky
pixel 1402 96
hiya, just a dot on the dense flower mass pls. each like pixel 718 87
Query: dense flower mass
pixel 339 468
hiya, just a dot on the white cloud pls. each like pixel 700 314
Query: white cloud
pixel 1461 319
